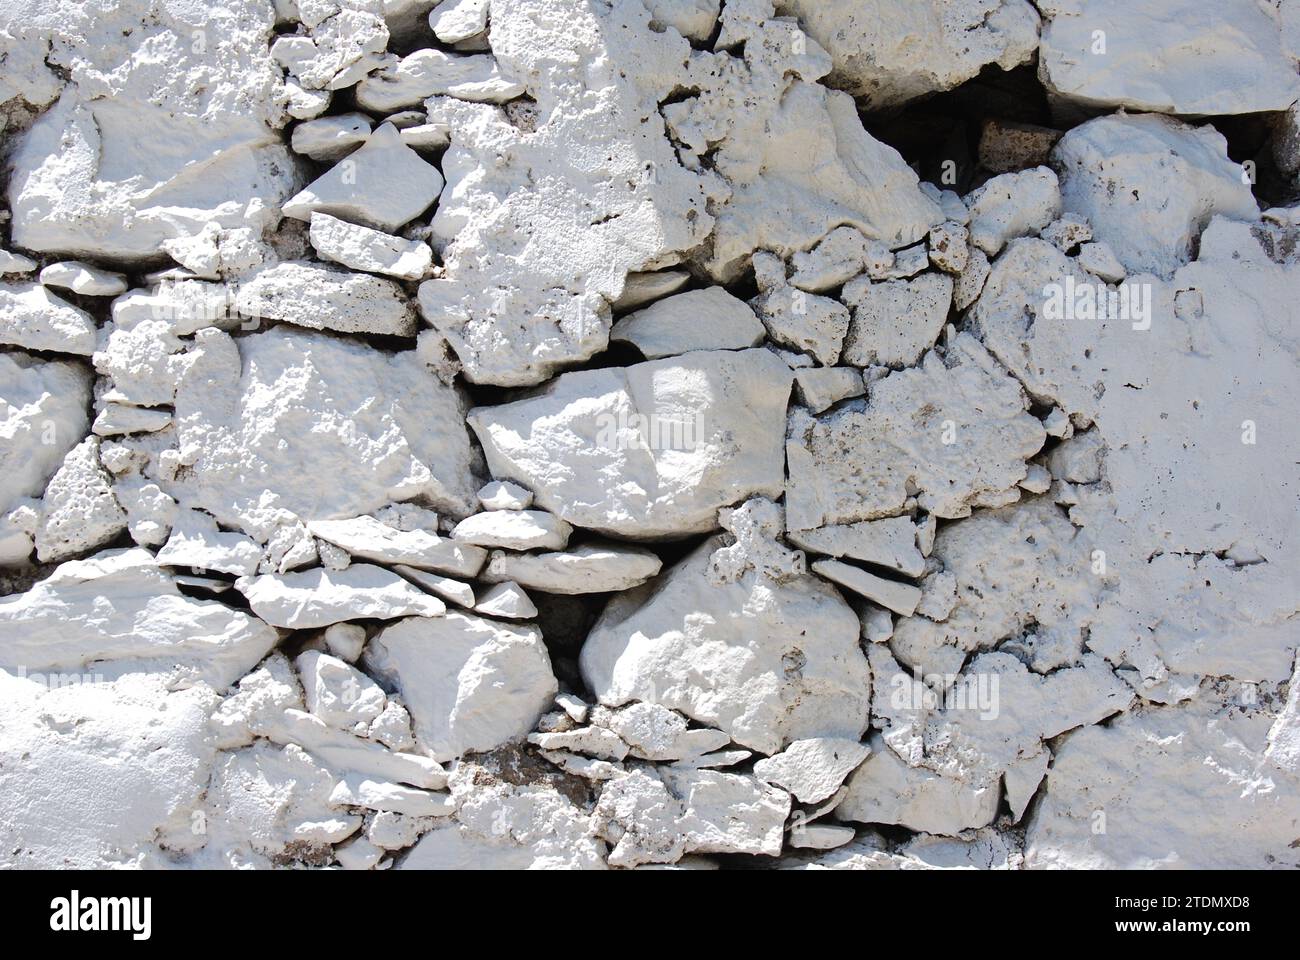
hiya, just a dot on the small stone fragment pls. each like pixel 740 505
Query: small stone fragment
pixel 318 598
pixel 1013 205
pixel 357 188
pixel 82 278
pixel 504 495
pixel 514 530
pixel 594 567
pixel 508 601
pixel 902 598
pixel 709 319
pixel 362 248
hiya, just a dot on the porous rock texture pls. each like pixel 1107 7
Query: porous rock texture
pixel 585 434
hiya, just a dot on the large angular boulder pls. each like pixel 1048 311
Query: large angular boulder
pixel 471 684
pixel 1149 185
pixel 650 450
pixel 1176 56
pixel 86 183
pixel 264 421
pixel 117 612
pixel 768 662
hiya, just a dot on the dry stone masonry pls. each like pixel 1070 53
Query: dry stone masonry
pixel 587 434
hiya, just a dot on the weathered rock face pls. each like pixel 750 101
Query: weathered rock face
pixel 1149 185
pixel 954 431
pixel 118 610
pixel 766 661
pixel 43 404
pixel 86 183
pixel 891 52
pixel 597 199
pixel 983 558
pixel 470 683
pixel 1181 58
pixel 86 761
pixel 400 466
pixel 1201 753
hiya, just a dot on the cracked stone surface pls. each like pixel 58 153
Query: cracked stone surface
pixel 649 434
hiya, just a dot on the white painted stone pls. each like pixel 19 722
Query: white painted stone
pixel 948 244
pixel 513 529
pixel 821 836
pixel 891 542
pixel 708 319
pixel 361 248
pixel 819 388
pixel 337 692
pixel 710 824
pixel 128 760
pixel 765 662
pixel 12 263
pixel 195 541
pixel 643 287
pixel 371 539
pixel 504 495
pixel 896 321
pixel 320 597
pixel 596 567
pixel 1178 57
pixel 382 428
pixel 839 256
pixel 453 591
pixel 1088 663
pixel 33 318
pixel 591 741
pixel 42 417
pixel 392 728
pixel 1150 212
pixel 357 188
pixel 803 321
pixel 812 770
pixel 453 20
pixel 470 683
pixel 82 278
pixel 899 50
pixel 323 298
pixel 432 73
pixel 80 512
pixel 886 790
pixel 343 751
pixel 656 733
pixel 89 179
pixel 857 464
pixel 687 435
pixel 1098 259
pixel 358 791
pixel 330 139
pixel 345 640
pixel 118 419
pixel 118 611
pixel 1013 205
pixel 269 805
pixel 1200 816
pixel 902 598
